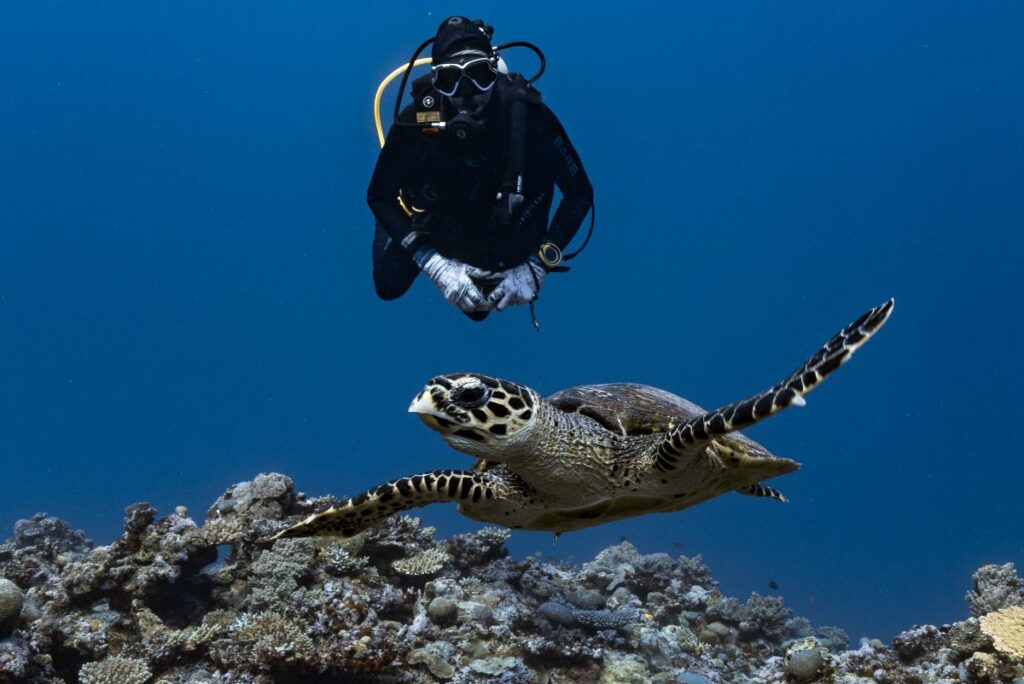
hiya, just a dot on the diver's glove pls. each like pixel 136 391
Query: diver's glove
pixel 519 285
pixel 454 279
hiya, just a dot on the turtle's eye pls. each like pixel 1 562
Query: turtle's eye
pixel 470 396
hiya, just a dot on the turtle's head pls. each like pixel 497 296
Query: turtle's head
pixel 476 414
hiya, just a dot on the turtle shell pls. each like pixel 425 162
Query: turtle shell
pixel 630 409
pixel 627 408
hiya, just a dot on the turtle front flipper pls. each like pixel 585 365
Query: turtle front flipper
pixel 691 436
pixel 354 515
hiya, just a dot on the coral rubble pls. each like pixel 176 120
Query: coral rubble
pixel 172 601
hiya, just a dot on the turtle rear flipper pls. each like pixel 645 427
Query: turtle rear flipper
pixel 354 515
pixel 761 489
pixel 692 435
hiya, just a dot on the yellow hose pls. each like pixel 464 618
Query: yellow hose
pixel 380 92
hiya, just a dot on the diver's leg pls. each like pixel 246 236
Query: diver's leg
pixel 393 268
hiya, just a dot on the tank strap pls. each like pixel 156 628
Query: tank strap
pixel 516 94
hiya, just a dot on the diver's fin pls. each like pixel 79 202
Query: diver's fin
pixel 354 515
pixel 696 432
pixel 759 489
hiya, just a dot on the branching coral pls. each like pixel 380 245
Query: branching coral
pixel 424 563
pixel 267 638
pixel 115 670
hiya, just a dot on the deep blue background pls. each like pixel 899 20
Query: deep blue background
pixel 185 292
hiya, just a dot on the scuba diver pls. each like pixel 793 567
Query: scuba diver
pixel 463 186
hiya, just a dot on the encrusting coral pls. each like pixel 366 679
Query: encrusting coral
pixel 173 601
pixel 1006 627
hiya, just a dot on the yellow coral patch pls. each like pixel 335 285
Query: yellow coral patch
pixel 425 563
pixel 1006 627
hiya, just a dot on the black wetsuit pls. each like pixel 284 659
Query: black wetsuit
pixel 456 184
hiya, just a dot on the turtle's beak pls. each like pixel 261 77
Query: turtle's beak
pixel 423 404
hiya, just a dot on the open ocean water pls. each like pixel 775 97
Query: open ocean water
pixel 185 291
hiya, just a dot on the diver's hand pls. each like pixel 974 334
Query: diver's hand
pixel 519 285
pixel 455 280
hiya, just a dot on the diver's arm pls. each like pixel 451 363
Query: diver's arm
pixel 570 177
pixel 386 183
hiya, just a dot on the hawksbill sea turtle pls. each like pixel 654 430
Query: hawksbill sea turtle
pixel 591 454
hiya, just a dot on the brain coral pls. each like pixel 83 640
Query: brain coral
pixel 10 599
pixel 1006 627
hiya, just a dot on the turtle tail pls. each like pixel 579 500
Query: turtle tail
pixel 790 391
pixel 354 515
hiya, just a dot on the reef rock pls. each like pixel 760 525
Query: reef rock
pixel 173 600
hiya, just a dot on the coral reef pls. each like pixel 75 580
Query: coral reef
pixel 175 602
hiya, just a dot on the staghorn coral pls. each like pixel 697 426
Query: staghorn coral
pixel 115 670
pixel 1006 627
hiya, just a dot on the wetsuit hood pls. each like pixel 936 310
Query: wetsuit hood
pixel 459 34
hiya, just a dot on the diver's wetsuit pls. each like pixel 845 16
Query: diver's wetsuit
pixel 456 185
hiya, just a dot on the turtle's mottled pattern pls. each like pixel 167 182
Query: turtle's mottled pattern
pixel 590 454
pixel 354 515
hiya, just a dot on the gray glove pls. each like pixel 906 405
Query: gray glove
pixel 519 285
pixel 455 280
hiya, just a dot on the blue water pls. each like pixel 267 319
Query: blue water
pixel 185 291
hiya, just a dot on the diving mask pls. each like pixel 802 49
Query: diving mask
pixel 480 72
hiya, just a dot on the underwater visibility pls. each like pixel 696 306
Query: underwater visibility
pixel 249 252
